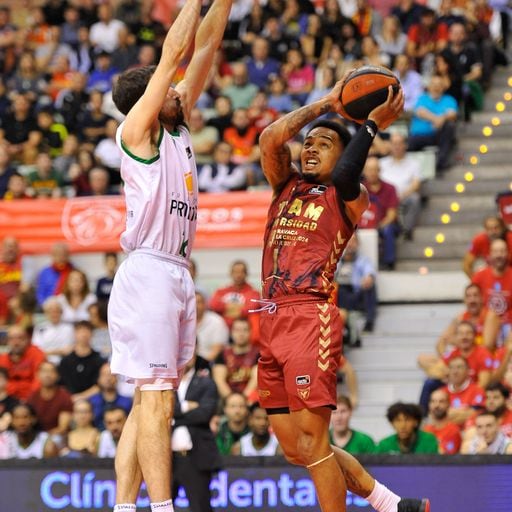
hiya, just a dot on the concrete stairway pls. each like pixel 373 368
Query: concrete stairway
pixel 386 363
pixel 417 276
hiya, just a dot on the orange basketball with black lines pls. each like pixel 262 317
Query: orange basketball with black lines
pixel 365 89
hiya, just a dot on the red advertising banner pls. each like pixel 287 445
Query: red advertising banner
pixel 91 224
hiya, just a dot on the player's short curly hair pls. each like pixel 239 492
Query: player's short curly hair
pixel 130 86
pixel 342 132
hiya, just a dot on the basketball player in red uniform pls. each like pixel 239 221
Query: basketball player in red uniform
pixel 312 215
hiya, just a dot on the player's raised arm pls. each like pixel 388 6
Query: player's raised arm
pixel 347 172
pixel 144 113
pixel 207 40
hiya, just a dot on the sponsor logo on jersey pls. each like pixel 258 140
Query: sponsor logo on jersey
pixel 183 209
pixel 318 189
pixel 302 380
pixel 158 365
pixel 263 393
pixel 189 182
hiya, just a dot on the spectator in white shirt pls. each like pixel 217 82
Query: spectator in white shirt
pixel 104 34
pixel 212 330
pixel 403 172
pixel 222 175
pixel 53 336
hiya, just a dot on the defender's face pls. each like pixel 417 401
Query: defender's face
pixel 320 152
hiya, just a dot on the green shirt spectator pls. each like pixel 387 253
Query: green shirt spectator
pixel 44 180
pixel 424 442
pixel 359 442
pixel 406 421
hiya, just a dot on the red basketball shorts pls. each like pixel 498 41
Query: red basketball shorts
pixel 300 348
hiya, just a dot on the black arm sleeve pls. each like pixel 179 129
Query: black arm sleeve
pixel 347 171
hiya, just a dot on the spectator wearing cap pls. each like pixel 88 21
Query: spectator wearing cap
pixel 405 419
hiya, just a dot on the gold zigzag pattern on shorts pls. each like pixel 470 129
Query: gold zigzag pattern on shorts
pixel 324 339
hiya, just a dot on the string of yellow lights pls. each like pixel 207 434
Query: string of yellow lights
pixel 469 177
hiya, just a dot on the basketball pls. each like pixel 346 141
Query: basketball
pixel 365 89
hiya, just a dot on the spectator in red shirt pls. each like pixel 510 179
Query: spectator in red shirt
pixel 495 281
pixel 234 300
pixel 22 362
pixel 52 403
pixel 447 433
pixel 479 359
pixel 496 396
pixel 235 367
pixel 494 228
pixel 425 39
pixel 502 360
pixel 10 267
pixel 384 201
pixel 465 396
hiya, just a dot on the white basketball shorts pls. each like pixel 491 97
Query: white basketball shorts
pixel 152 317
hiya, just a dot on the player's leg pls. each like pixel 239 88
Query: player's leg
pixel 154 443
pixel 303 436
pixel 128 474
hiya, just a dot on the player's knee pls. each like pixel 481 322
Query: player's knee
pixel 308 445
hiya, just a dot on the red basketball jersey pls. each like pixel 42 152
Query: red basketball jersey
pixel 306 233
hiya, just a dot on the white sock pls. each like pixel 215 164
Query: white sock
pixel 382 499
pixel 125 507
pixel 163 506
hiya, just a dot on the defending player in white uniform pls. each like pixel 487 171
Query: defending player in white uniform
pixel 152 305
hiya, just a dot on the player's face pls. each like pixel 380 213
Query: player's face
pixel 319 154
pixel 171 112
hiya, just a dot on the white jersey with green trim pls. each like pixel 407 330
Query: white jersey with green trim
pixel 161 195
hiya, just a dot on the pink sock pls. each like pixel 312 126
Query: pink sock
pixel 163 506
pixel 382 499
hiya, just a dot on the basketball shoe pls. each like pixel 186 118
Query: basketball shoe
pixel 412 505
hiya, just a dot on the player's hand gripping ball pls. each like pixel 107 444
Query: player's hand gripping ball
pixel 365 89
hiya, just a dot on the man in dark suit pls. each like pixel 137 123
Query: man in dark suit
pixel 195 454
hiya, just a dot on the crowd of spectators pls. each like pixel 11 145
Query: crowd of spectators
pixel 58 125
pixel 60 59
